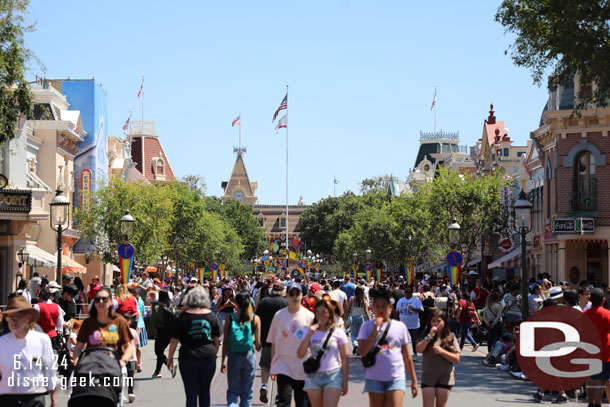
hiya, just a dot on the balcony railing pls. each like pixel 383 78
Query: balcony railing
pixel 583 198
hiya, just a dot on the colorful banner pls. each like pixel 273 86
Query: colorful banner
pixel 344 274
pixel 223 271
pixel 126 252
pixel 214 268
pixel 201 271
pixel 292 256
pixel 368 271
pixel 355 271
pixel 409 272
pixel 378 274
pixel 455 274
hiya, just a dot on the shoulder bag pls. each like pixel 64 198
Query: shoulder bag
pixel 311 365
pixel 369 359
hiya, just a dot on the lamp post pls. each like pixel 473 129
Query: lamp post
pixel 23 256
pixel 454 233
pixel 127 222
pixel 354 263
pixel 454 258
pixel 368 254
pixel 126 250
pixel 523 216
pixel 60 220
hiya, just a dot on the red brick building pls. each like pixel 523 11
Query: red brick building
pixel 574 152
pixel 147 153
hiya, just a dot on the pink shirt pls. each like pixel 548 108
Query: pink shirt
pixel 331 359
pixel 286 333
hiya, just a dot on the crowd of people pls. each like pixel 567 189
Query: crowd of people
pixel 299 332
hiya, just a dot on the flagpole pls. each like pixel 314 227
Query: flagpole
pixel 239 133
pixel 435 103
pixel 287 172
pixel 143 102
pixel 334 186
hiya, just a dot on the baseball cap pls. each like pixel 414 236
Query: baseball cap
pixel 556 293
pixel 315 287
pixel 472 273
pixel 295 285
pixel 193 280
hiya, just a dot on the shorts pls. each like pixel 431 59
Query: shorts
pixel 437 386
pixel 376 386
pixel 604 374
pixel 265 362
pixel 323 380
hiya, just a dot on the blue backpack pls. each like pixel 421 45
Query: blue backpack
pixel 240 336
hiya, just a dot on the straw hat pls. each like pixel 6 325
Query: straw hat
pixel 20 304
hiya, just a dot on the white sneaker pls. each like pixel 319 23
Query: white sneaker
pixel 132 397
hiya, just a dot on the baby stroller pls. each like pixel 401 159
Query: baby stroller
pixel 97 379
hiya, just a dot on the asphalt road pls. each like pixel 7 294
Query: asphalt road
pixel 475 386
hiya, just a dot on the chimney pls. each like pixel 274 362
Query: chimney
pixel 491 119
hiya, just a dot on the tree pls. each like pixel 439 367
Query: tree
pixel 15 96
pixel 379 183
pixel 567 37
pixel 150 206
pixel 196 183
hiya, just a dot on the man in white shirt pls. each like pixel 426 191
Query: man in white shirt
pixel 408 308
pixel 339 295
pixel 23 383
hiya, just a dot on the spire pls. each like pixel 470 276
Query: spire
pixel 491 119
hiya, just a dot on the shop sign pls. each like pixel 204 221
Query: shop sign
pixel 574 225
pixel 85 192
pixel 15 200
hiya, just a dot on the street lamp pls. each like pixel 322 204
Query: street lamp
pixel 23 256
pixel 368 254
pixel 523 215
pixel 127 222
pixel 454 232
pixel 60 220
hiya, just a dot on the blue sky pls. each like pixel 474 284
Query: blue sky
pixel 361 77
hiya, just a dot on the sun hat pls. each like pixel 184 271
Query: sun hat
pixel 556 293
pixel 20 304
pixel 53 286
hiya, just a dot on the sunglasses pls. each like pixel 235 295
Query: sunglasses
pixel 294 293
pixel 97 300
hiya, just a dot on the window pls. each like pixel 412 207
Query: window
pixel 160 167
pixel 283 222
pixel 505 153
pixel 260 221
pixel 584 186
pixel 520 153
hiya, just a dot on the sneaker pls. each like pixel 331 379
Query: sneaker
pixel 504 368
pixel 560 399
pixel 139 368
pixel 157 376
pixel 263 395
pixel 538 397
pixel 174 370
pixel 355 350
pixel 487 363
pixel 517 374
pixel 475 347
pixel 132 397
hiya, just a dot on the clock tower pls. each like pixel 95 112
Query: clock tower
pixel 239 187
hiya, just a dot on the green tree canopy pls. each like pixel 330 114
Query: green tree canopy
pixel 561 37
pixel 15 96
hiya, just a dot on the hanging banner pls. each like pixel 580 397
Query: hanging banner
pixel 214 268
pixel 201 271
pixel 355 271
pixel 126 252
pixel 223 271
pixel 368 272
pixel 409 273
pixel 454 262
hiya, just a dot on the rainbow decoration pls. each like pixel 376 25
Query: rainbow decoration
pixel 223 271
pixel 126 252
pixel 455 274
pixel 344 274
pixel 355 271
pixel 214 268
pixel 201 271
pixel 378 271
pixel 368 271
pixel 409 273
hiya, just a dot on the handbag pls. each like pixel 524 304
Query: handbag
pixel 311 365
pixel 369 359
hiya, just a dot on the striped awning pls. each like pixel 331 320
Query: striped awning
pixel 40 258
pixel 510 261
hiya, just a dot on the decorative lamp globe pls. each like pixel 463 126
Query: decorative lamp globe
pixel 60 211
pixel 522 211
pixel 127 222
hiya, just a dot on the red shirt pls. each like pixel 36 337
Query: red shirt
pixel 467 314
pixel 128 305
pixel 93 289
pixel 601 318
pixel 482 293
pixel 49 313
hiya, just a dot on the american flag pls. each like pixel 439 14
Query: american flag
pixel 283 105
pixel 433 100
pixel 141 88
pixel 236 121
pixel 126 125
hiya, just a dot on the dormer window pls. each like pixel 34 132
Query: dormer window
pixel 158 165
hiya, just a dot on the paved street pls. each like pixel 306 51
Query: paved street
pixel 486 386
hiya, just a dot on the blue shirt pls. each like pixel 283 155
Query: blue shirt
pixel 348 289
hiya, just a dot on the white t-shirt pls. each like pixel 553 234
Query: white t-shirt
pixel 30 357
pixel 286 333
pixel 407 317
pixel 339 296
pixel 331 359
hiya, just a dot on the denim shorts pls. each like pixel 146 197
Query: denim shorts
pixel 323 380
pixel 376 386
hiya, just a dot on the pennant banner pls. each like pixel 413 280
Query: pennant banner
pixel 223 271
pixel 455 274
pixel 201 271
pixel 368 271
pixel 126 252
pixel 409 274
pixel 214 268
pixel 355 271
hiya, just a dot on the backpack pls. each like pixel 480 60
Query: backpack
pixel 240 336
pixel 470 312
